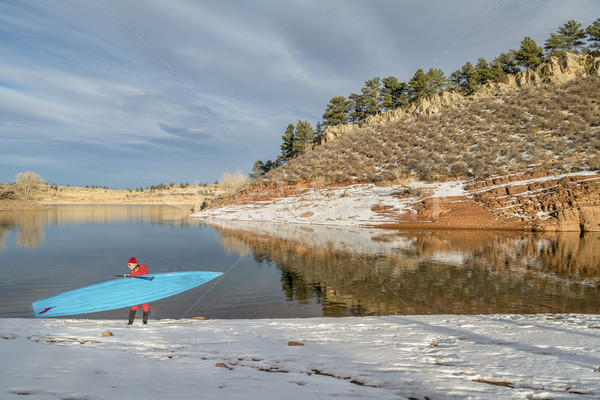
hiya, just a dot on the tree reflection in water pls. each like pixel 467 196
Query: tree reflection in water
pixel 375 272
pixel 30 225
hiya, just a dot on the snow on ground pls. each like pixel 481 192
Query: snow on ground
pixel 355 205
pixel 394 357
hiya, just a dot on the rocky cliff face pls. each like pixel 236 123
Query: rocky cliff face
pixel 557 71
pixel 531 202
pixel 567 204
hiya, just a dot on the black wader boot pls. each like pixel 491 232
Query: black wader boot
pixel 145 318
pixel 131 316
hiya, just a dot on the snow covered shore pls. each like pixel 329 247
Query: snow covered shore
pixel 347 205
pixel 549 356
pixel 417 204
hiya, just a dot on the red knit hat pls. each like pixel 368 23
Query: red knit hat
pixel 132 260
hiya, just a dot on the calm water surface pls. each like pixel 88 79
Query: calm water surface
pixel 273 271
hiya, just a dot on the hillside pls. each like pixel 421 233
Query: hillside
pixel 513 155
pixel 552 128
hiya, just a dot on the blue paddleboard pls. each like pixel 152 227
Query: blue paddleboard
pixel 121 293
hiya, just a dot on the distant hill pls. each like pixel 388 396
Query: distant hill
pixel 547 119
pixel 194 196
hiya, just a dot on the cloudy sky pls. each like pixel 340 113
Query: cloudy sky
pixel 135 93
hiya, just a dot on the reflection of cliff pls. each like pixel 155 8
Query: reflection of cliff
pixel 568 255
pixel 437 272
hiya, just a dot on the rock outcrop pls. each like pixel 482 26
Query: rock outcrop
pixel 530 202
pixel 568 204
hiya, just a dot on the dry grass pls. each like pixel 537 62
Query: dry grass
pixel 552 128
pixel 47 194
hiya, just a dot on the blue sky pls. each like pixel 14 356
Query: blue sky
pixel 130 93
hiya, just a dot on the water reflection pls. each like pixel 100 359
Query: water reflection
pixel 30 225
pixel 374 272
pixel 286 270
pixel 93 214
pixel 27 224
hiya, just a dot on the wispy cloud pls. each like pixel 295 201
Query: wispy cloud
pixel 178 132
pixel 74 79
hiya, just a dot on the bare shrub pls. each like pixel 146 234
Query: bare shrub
pixel 459 168
pixel 27 182
pixel 234 182
pixel 7 191
pixel 594 163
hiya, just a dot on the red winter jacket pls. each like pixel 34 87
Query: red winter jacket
pixel 141 269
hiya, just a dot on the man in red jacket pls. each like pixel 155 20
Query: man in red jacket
pixel 138 269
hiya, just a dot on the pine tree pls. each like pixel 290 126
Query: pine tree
pixel 530 54
pixel 371 93
pixel 483 72
pixel 573 35
pixel 319 131
pixel 593 32
pixel 269 165
pixel 394 94
pixel 465 79
pixel 570 37
pixel 287 147
pixel 304 137
pixel 555 45
pixel 257 170
pixel 436 82
pixel 507 62
pixel 357 108
pixel 496 69
pixel 260 168
pixel 417 85
pixel 337 111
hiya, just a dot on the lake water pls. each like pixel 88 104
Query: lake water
pixel 274 271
